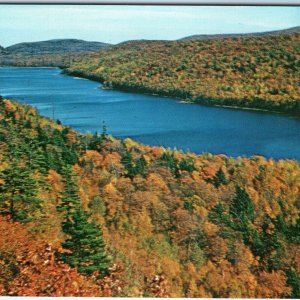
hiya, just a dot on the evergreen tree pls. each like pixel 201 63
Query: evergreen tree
pixel 218 215
pixel 59 137
pixel 171 163
pixel 241 209
pixel 187 164
pixel 219 178
pixel 85 246
pixel 69 155
pixel 95 141
pixel 292 232
pixel 127 161
pixel 18 193
pixel 38 161
pixel 69 198
pixel 104 131
pixel 188 205
pixel 53 157
pixel 294 281
pixel 42 135
pixel 140 165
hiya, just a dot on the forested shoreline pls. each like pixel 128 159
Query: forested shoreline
pixel 93 215
pixel 150 221
pixel 267 106
pixel 252 72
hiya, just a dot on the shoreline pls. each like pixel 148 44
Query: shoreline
pixel 209 102
pixel 15 67
pixel 173 149
pixel 202 101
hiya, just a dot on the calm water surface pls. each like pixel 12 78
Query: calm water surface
pixel 152 120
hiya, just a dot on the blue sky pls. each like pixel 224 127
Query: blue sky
pixel 114 24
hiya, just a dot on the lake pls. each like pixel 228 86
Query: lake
pixel 152 120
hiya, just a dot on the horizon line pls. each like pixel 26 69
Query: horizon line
pixel 132 40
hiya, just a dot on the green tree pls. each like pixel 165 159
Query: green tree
pixel 241 209
pixel 171 162
pixel 69 197
pixel 85 246
pixel 95 141
pixel 218 215
pixel 127 161
pixel 187 164
pixel 104 131
pixel 140 165
pixel 219 178
pixel 18 193
pixel 38 161
pixel 294 281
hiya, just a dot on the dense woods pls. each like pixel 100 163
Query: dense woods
pixel 257 71
pixel 260 72
pixel 91 215
pixel 52 53
pixel 44 60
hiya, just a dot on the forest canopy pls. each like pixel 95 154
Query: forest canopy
pixel 260 72
pixel 92 215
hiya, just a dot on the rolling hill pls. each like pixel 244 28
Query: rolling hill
pixel 196 37
pixel 58 46
pixel 2 50
pixel 55 53
pixel 258 71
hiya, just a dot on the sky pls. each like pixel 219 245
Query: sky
pixel 114 24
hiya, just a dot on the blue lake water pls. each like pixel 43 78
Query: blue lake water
pixel 152 120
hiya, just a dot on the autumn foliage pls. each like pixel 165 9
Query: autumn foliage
pixel 248 72
pixel 29 268
pixel 174 224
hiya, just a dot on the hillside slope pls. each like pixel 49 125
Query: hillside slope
pixel 2 50
pixel 289 31
pixel 177 224
pixel 47 53
pixel 59 46
pixel 249 72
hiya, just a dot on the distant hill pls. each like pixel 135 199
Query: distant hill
pixel 52 53
pixel 253 70
pixel 58 46
pixel 139 42
pixel 2 50
pixel 259 71
pixel 201 37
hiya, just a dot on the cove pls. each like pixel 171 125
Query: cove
pixel 152 120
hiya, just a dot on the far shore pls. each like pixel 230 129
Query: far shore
pixel 17 67
pixel 208 102
pixel 157 94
